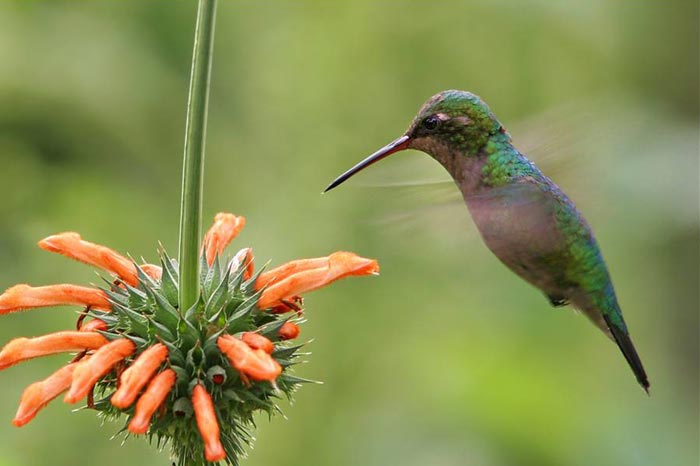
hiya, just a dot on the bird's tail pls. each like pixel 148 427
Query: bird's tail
pixel 623 340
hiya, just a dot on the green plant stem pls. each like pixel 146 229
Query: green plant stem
pixel 193 164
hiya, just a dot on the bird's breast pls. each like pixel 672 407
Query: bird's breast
pixel 517 222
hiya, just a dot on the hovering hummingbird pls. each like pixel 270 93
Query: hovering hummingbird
pixel 523 217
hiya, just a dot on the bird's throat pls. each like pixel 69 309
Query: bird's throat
pixel 477 171
pixel 465 169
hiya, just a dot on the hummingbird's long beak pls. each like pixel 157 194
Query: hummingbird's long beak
pixel 394 146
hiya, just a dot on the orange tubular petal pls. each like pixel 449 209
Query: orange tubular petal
pixel 285 270
pixel 150 401
pixel 39 394
pixel 153 271
pixel 21 349
pixel 289 331
pixel 94 325
pixel 292 303
pixel 207 424
pixel 89 371
pixel 138 374
pixel 244 258
pixel 339 265
pixel 72 245
pixel 256 364
pixel 225 228
pixel 257 341
pixel 21 297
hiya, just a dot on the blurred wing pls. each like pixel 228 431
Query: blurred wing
pixel 595 150
pixel 420 192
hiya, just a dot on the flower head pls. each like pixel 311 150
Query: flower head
pixel 175 373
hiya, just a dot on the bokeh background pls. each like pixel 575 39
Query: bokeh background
pixel 447 358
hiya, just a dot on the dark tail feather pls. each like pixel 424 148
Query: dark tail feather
pixel 623 340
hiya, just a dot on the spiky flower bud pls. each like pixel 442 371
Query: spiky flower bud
pixel 216 375
pixel 182 407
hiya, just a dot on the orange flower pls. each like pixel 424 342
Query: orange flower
pixel 207 423
pixel 288 331
pixel 256 364
pixel 21 297
pixel 72 245
pixel 21 349
pixel 89 371
pixel 150 401
pixel 257 341
pixel 153 271
pixel 226 227
pixel 312 274
pixel 138 374
pixel 285 270
pixel 244 258
pixel 38 394
pixel 153 342
pixel 94 325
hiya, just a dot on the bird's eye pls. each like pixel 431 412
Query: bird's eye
pixel 431 123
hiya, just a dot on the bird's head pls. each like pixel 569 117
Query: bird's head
pixel 450 124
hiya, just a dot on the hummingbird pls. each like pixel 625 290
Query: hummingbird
pixel 524 218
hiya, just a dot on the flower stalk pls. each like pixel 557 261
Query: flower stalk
pixel 193 164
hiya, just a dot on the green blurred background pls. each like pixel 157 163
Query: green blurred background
pixel 447 358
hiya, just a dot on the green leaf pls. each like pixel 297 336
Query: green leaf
pixel 164 312
pixel 211 347
pixel 271 330
pixel 218 318
pixel 169 263
pixel 110 318
pixel 242 324
pixel 245 308
pixel 218 297
pixel 137 322
pixel 293 379
pixel 116 297
pixel 188 334
pixel 231 395
pixel 168 281
pixel 175 356
pixel 163 332
pixel 139 342
pixel 287 362
pixel 110 335
pixel 137 298
pixel 212 277
pixel 145 280
pixel 248 286
pixel 203 267
pixel 183 375
pixel 285 353
pixel 191 313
